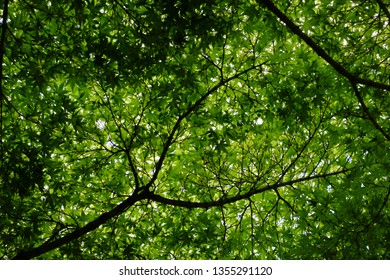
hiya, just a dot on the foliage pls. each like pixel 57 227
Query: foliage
pixel 150 129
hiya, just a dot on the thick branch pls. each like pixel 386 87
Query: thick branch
pixel 221 202
pixel 46 247
pixel 320 51
pixel 383 7
pixel 354 80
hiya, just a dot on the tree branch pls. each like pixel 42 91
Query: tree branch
pixel 320 51
pixel 368 114
pixel 189 111
pixel 141 194
pixel 247 195
pixel 103 218
pixel 354 80
pixel 383 7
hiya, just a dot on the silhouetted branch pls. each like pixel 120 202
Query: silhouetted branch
pixel 103 218
pixel 337 66
pixel 383 7
pixel 221 202
pixel 320 51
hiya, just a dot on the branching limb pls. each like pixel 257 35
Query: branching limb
pixel 284 200
pixel 46 247
pixel 247 195
pixel 320 51
pixel 186 114
pixel 354 80
pixel 142 193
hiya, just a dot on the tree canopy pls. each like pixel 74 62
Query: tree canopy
pixel 148 129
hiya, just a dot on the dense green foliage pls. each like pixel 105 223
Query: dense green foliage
pixel 146 129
